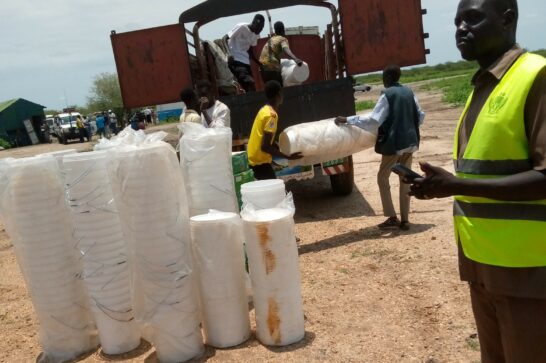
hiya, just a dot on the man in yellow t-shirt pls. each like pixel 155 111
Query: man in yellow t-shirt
pixel 261 145
pixel 270 58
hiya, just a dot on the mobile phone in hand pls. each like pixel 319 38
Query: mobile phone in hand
pixel 405 173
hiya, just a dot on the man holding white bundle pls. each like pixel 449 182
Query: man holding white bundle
pixel 399 116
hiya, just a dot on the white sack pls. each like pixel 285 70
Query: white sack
pixel 102 249
pixel 149 190
pixel 292 74
pixel 217 241
pixel 323 141
pixel 274 271
pixel 205 159
pixel 37 220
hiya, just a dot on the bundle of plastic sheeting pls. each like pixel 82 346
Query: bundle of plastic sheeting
pixel 38 221
pixel 129 137
pixel 149 190
pixel 275 275
pixel 217 241
pixel 323 141
pixel 205 159
pixel 292 74
pixel 103 250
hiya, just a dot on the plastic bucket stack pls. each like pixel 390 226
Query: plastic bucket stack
pixel 38 222
pixel 219 259
pixel 103 250
pixel 274 271
pixel 205 157
pixel 155 208
pixel 264 194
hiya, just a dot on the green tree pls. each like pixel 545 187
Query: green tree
pixel 105 94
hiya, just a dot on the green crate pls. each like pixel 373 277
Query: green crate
pixel 332 163
pixel 240 179
pixel 239 161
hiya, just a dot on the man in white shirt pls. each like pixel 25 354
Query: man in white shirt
pixel 213 112
pixel 241 41
pixel 397 116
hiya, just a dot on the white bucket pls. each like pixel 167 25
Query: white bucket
pixel 264 194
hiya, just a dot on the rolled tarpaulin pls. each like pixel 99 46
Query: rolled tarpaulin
pixel 323 141
pixel 275 275
pixel 292 74
pixel 217 241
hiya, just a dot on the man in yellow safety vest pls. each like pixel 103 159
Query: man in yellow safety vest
pixel 500 184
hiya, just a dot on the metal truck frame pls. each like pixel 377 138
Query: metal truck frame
pixel 364 36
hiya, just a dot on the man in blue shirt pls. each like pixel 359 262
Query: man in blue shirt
pixel 100 125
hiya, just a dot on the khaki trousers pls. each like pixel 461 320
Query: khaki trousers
pixel 510 329
pixel 387 162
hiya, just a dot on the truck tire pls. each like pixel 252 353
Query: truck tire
pixel 342 184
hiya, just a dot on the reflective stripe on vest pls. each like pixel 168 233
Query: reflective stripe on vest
pixel 509 234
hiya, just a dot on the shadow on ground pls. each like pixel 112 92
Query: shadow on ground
pixel 315 201
pixel 360 235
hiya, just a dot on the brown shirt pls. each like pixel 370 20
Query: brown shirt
pixel 517 282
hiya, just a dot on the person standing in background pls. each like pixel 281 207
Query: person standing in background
pixel 100 125
pixel 241 42
pixel 113 122
pixel 213 112
pixel 261 144
pixel 399 116
pixel 273 50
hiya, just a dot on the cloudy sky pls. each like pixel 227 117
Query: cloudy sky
pixel 51 50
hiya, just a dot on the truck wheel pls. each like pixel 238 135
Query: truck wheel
pixel 342 184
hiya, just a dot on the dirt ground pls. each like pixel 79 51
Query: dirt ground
pixel 368 296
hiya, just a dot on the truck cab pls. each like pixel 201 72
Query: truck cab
pixel 363 36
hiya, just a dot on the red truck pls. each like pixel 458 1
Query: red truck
pixel 364 36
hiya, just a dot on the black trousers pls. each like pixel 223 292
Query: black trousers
pixel 272 76
pixel 243 74
pixel 263 172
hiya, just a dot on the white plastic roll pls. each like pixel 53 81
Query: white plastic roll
pixel 217 240
pixel 292 74
pixel 149 189
pixel 38 222
pixel 323 141
pixel 205 159
pixel 264 194
pixel 103 250
pixel 274 271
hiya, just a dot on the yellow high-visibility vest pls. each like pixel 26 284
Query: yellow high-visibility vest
pixel 492 232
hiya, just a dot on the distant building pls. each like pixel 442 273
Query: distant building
pixel 21 122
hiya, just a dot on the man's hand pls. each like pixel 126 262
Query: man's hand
pixel 203 104
pixel 340 120
pixel 295 156
pixel 438 183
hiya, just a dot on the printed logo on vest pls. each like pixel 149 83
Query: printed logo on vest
pixel 497 103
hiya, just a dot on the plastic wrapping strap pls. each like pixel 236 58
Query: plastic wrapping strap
pixel 111 314
pixel 249 209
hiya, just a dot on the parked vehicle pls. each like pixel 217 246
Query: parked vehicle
pixel 155 64
pixel 65 129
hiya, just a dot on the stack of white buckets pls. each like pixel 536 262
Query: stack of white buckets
pixel 115 245
pixel 104 255
pixel 36 223
pixel 268 222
